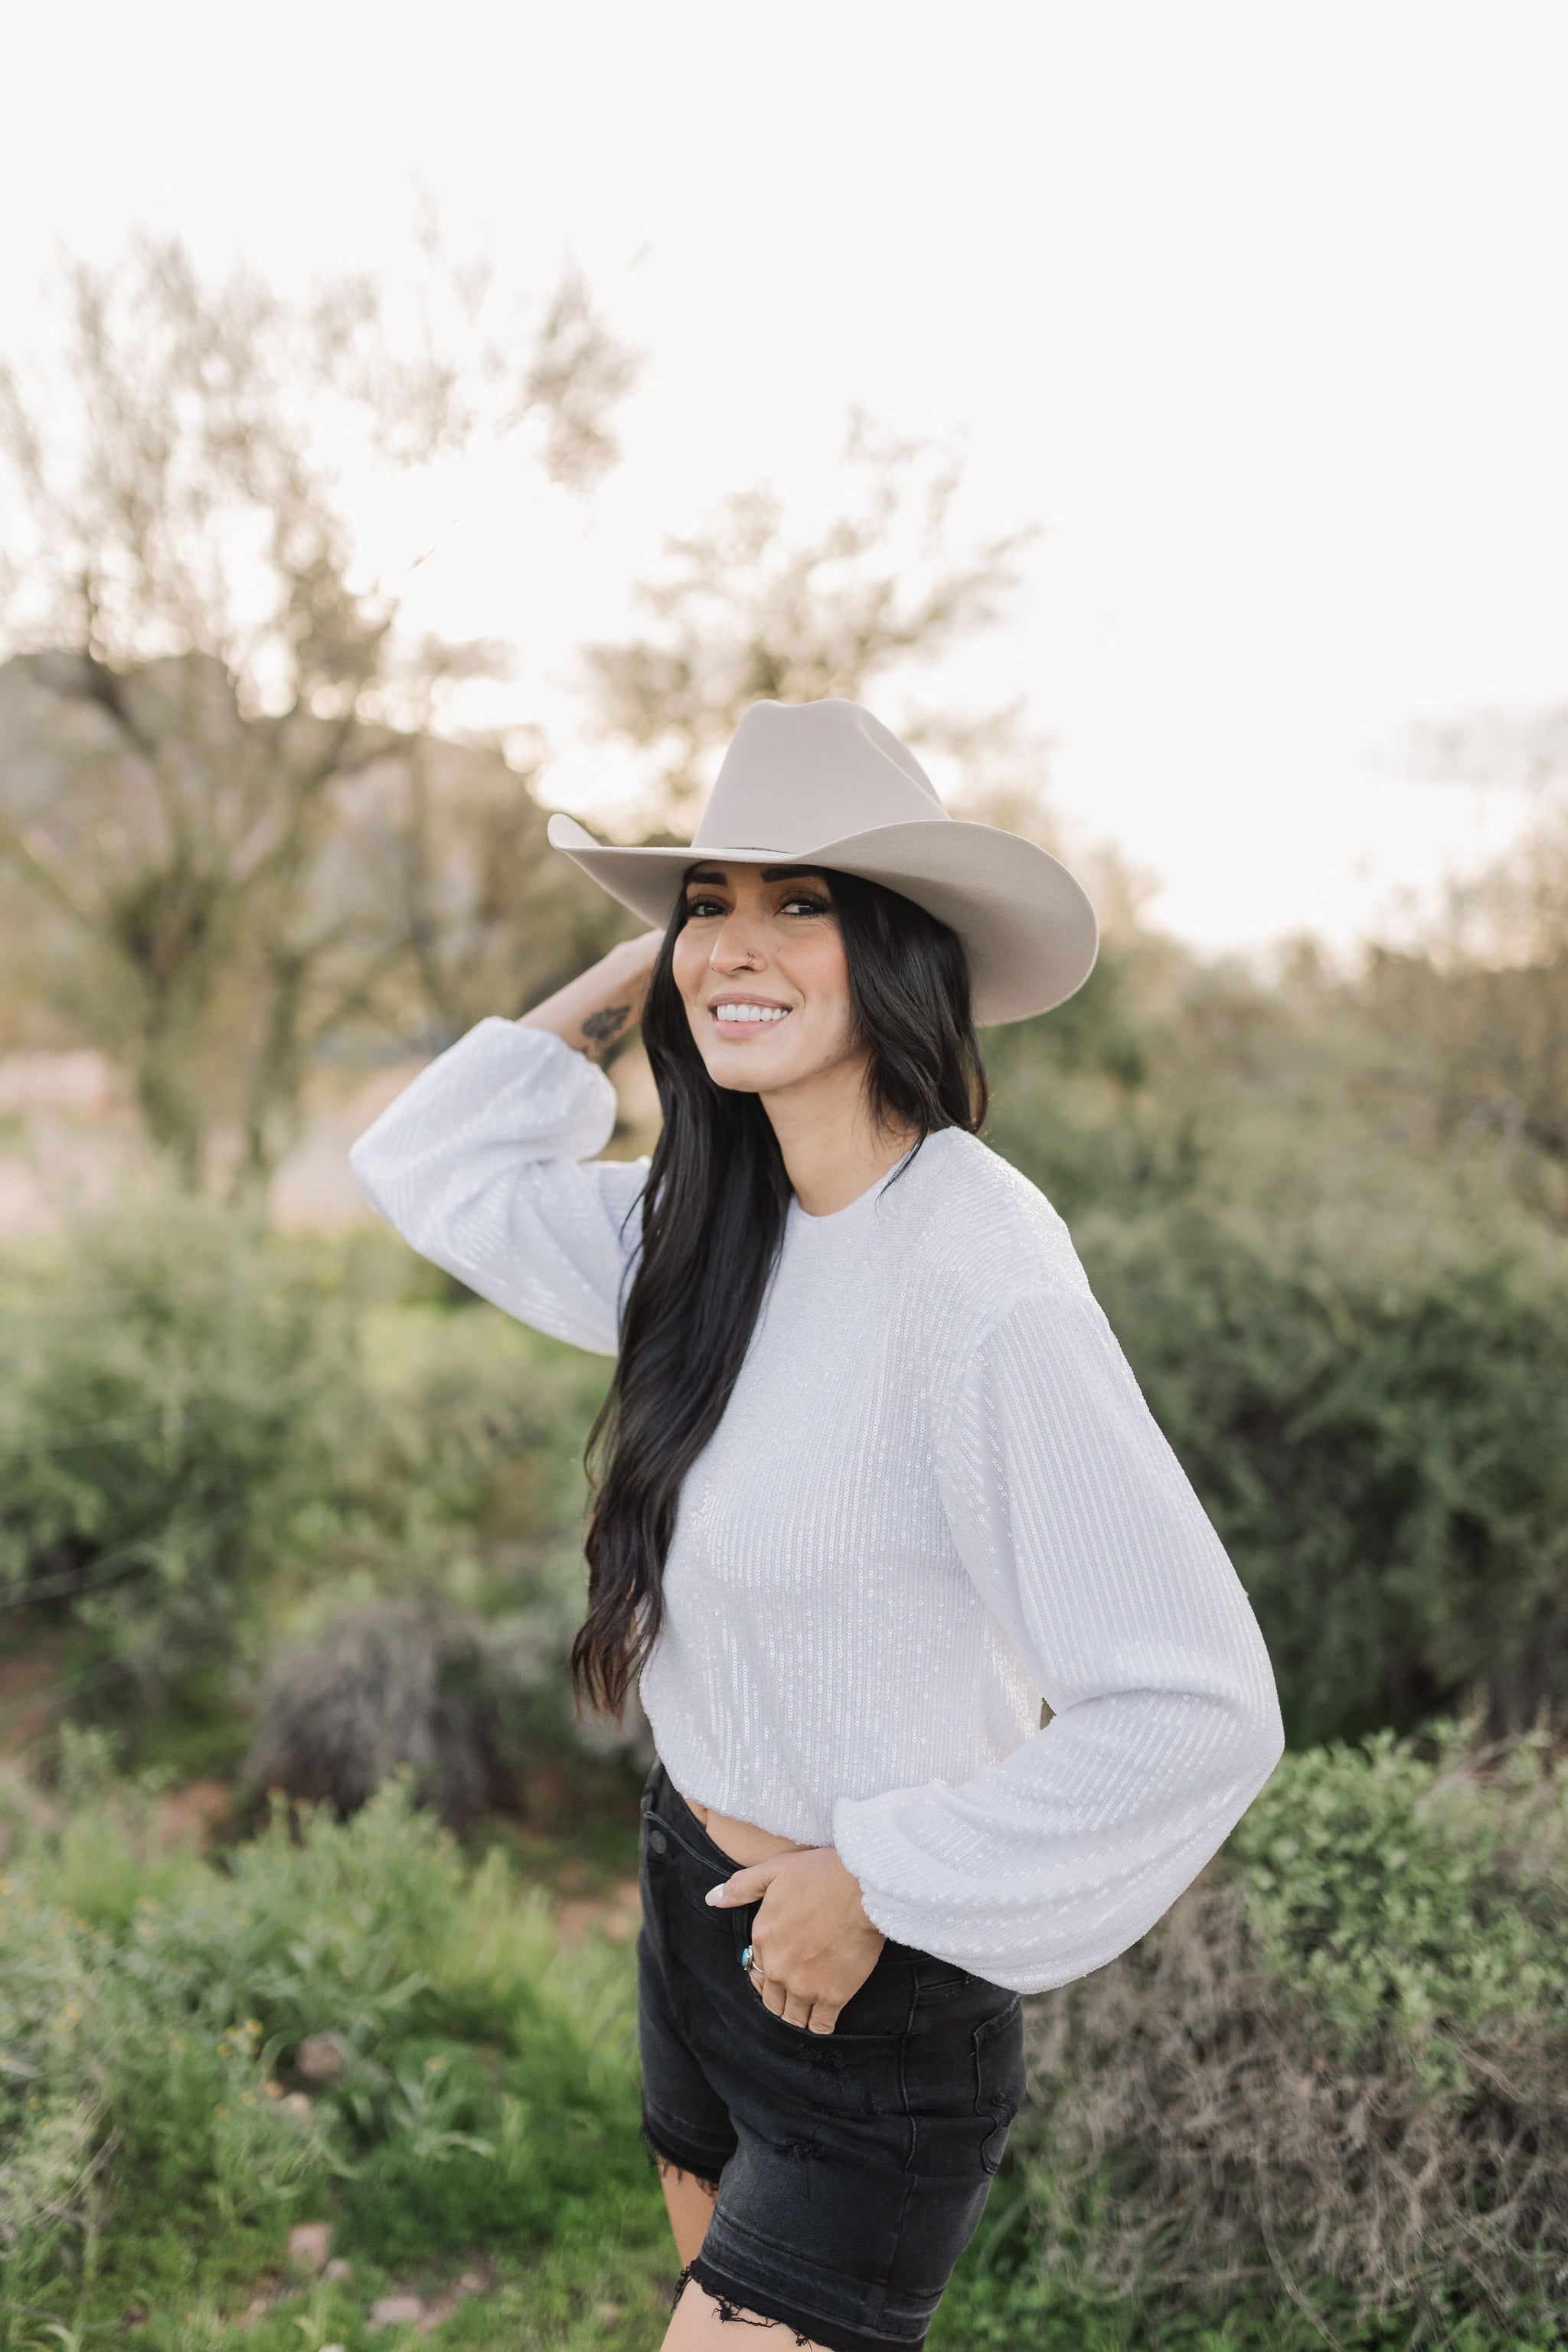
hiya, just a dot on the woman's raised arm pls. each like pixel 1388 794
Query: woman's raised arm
pixel 602 1002
pixel 486 1164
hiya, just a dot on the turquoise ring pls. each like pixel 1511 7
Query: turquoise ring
pixel 746 1960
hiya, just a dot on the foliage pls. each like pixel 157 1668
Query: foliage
pixel 1384 1455
pixel 1339 2063
pixel 152 2142
pixel 471 1444
pixel 220 774
pixel 219 1441
pixel 1472 1019
pixel 743 610
pixel 1357 1346
pixel 170 1399
pixel 1234 2139
pixel 1420 1896
pixel 464 1705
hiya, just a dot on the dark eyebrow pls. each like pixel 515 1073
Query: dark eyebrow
pixel 714 874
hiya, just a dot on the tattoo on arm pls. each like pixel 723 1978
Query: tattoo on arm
pixel 600 1028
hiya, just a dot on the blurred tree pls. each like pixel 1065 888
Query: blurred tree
pixel 1471 1024
pixel 215 753
pixel 744 611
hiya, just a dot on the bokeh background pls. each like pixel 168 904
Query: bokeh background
pixel 411 425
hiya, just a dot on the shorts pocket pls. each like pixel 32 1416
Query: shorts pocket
pixel 999 2077
pixel 880 2010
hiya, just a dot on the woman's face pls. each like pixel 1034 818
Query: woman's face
pixel 761 967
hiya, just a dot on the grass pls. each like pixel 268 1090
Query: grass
pixel 363 2027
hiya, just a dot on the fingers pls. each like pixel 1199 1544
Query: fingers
pixel 795 2008
pixel 775 1994
pixel 746 1886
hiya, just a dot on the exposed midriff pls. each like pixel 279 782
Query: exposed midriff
pixel 742 1840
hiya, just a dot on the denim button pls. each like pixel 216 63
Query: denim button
pixel 658 1842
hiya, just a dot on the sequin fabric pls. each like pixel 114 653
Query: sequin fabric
pixel 937 1495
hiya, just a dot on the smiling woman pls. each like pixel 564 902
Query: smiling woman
pixel 872 1480
pixel 761 948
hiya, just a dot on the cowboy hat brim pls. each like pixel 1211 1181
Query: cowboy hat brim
pixel 1028 926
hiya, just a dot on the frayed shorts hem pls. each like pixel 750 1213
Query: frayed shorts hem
pixel 666 2151
pixel 736 2300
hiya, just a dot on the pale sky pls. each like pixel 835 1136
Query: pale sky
pixel 1257 309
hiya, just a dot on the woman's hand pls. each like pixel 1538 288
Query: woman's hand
pixel 602 1002
pixel 812 1945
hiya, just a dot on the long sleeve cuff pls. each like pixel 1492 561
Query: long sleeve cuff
pixel 1062 1856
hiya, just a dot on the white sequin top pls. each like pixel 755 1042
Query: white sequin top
pixel 937 1494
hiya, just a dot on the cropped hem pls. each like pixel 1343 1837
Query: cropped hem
pixel 664 2149
pixel 735 2299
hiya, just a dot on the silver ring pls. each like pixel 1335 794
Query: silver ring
pixel 746 1960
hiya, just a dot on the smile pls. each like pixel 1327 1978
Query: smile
pixel 738 1017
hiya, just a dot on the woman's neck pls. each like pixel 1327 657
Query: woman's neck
pixel 833 1149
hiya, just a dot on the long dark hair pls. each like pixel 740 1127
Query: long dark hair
pixel 713 1223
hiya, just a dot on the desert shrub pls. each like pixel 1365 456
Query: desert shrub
pixel 206 1431
pixel 439 1638
pixel 1307 2102
pixel 470 2083
pixel 463 1704
pixel 168 1399
pixel 139 2142
pixel 467 1468
pixel 1338 2068
pixel 1385 1458
pixel 435 1631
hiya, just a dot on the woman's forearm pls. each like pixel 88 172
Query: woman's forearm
pixel 602 1002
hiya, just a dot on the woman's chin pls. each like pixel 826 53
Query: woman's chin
pixel 741 1075
pixel 751 1066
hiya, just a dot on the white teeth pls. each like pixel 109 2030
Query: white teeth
pixel 751 1012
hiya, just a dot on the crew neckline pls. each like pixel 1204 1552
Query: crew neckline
pixel 872 1192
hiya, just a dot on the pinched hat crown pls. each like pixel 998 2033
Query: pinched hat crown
pixel 794 770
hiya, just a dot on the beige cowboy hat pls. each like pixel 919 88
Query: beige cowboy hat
pixel 825 784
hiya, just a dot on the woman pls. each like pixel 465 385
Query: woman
pixel 872 1479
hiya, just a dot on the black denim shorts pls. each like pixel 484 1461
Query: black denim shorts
pixel 852 2167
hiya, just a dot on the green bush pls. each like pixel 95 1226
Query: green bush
pixel 1385 1459
pixel 433 1627
pixel 1354 1327
pixel 212 1438
pixel 168 1401
pixel 1337 2072
pixel 156 2136
pixel 1325 2093
pixel 1419 1896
